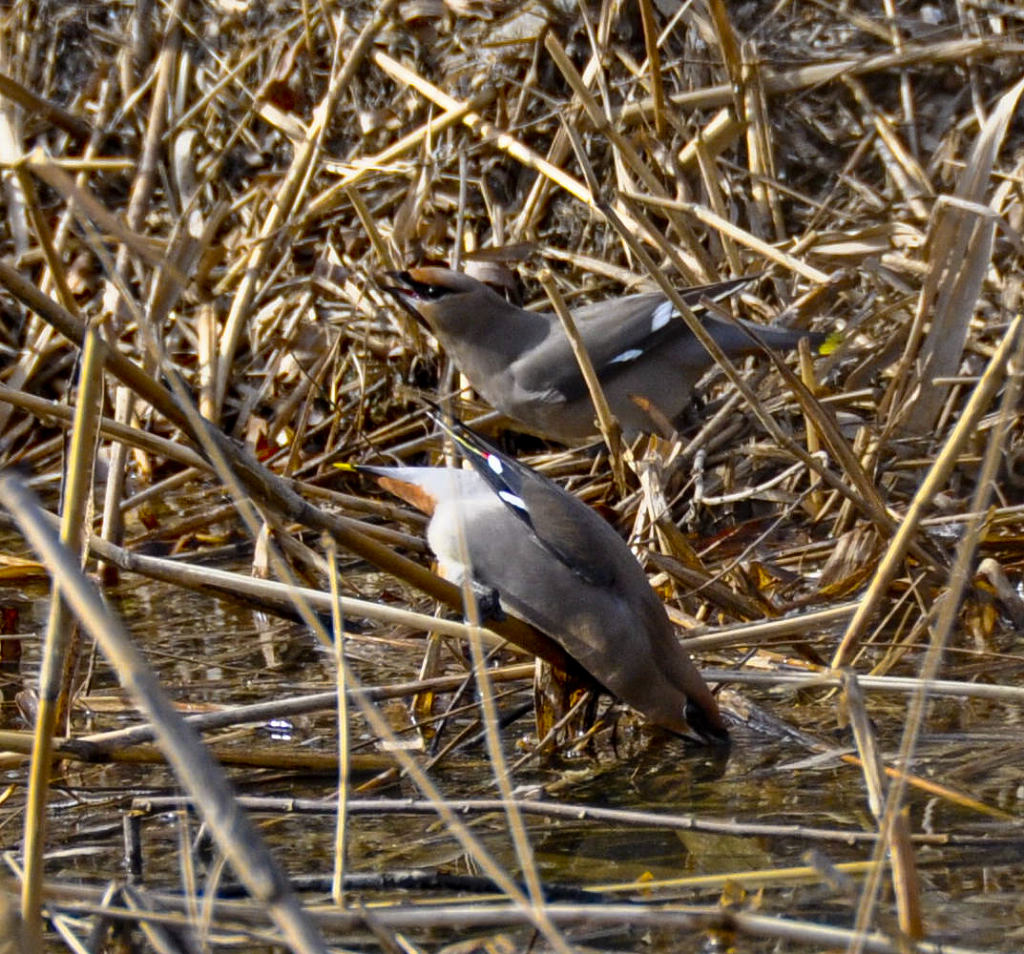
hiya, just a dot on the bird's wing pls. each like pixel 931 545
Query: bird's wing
pixel 566 527
pixel 616 338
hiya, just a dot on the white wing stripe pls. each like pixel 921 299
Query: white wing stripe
pixel 662 315
pixel 630 355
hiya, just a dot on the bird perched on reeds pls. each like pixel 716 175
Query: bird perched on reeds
pixel 521 361
pixel 546 557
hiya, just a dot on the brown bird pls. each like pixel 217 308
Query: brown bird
pixel 542 555
pixel 522 364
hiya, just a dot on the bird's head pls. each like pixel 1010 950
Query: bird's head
pixel 434 295
pixel 442 299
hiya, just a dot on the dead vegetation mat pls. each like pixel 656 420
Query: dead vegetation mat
pixel 201 196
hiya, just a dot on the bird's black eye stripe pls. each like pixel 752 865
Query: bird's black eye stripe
pixel 424 290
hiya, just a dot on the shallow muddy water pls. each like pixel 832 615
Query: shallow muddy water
pixel 210 653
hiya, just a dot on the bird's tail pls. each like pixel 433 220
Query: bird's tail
pixel 746 338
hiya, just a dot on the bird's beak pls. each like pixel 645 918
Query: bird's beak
pixel 701 728
pixel 400 283
pixel 402 287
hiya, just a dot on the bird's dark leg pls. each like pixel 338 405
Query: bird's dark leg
pixel 488 602
pixel 692 416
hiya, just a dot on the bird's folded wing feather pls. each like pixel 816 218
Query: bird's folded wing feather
pixel 615 339
pixel 564 526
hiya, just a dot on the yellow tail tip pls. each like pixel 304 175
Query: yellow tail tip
pixel 833 340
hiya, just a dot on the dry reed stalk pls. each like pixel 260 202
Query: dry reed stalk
pixel 859 156
pixel 110 429
pixel 229 753
pixel 610 430
pixel 738 235
pixel 193 765
pixel 290 194
pixel 61 639
pixel 628 818
pixel 937 476
pixel 270 593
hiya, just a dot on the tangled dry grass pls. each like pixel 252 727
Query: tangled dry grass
pixel 197 199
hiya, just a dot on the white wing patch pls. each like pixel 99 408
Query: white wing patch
pixel 513 500
pixel 494 462
pixel 631 355
pixel 662 315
